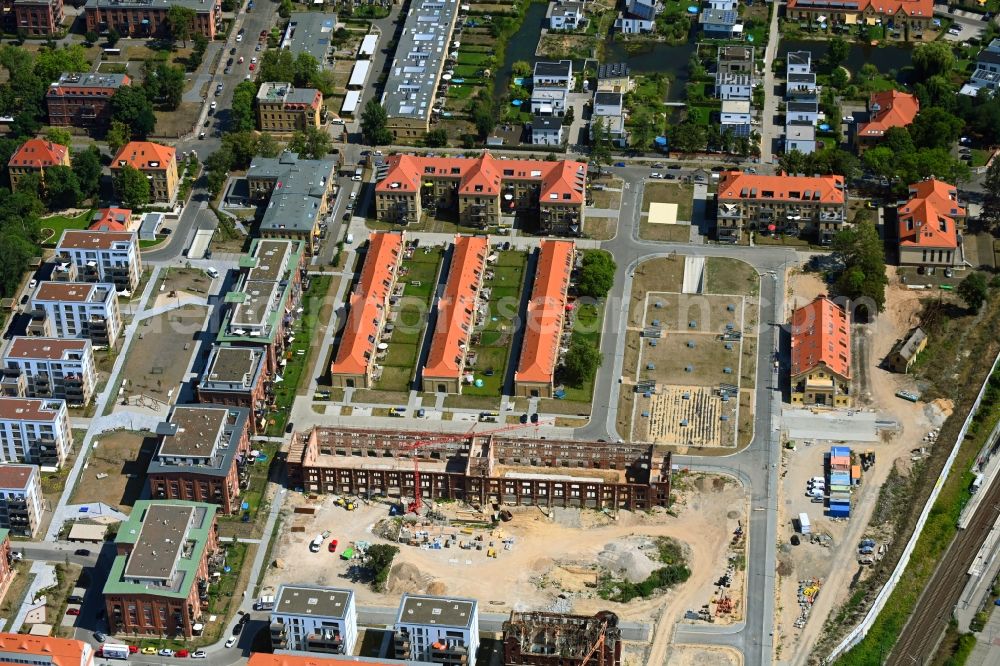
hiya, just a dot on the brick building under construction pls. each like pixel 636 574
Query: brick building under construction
pixel 553 639
pixel 480 469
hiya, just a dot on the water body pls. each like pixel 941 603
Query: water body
pixel 886 58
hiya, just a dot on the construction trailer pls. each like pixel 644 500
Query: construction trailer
pixel 554 639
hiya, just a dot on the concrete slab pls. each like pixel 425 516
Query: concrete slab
pixel 830 425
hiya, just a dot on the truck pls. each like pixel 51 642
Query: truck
pixel 265 602
pixel 805 527
pixel 114 651
pixel 316 543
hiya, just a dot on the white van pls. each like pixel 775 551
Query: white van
pixel 212 273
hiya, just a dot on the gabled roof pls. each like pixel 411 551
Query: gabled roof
pixel 821 334
pixel 144 156
pixel 370 297
pixel 895 109
pixel 38 154
pixel 821 189
pixel 928 218
pixel 543 330
pixel 456 308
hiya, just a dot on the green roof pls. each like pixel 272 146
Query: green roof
pixel 166 549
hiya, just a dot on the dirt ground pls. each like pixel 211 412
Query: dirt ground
pixel 551 565
pixel 837 565
pixel 123 457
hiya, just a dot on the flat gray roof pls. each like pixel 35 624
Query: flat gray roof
pixel 311 33
pixel 314 601
pixel 438 611
pixel 420 54
pixel 158 546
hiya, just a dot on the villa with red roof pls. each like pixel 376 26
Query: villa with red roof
pixel 914 16
pixel 780 204
pixel 456 316
pixel 886 109
pixel 929 224
pixel 535 376
pixel 355 363
pixel 821 355
pixel 484 190
pixel 35 156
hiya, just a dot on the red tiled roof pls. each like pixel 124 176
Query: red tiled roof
pixel 560 181
pixel 61 651
pixel 895 109
pixel 360 336
pixel 540 348
pixel 111 219
pixel 928 218
pixel 821 189
pixel 821 334
pixel 456 308
pixel 144 156
pixel 38 153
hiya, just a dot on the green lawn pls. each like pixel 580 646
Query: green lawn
pixel 59 223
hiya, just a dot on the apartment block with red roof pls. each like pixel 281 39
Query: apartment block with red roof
pixel 781 204
pixel 886 109
pixel 543 335
pixel 49 368
pixel 821 355
pixel 914 16
pixel 355 365
pixel 83 100
pixel 484 190
pixel 99 256
pixel 34 157
pixel 157 162
pixel 44 651
pixel 457 310
pixel 929 225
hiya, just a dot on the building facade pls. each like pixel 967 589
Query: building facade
pixel 238 377
pixel 34 157
pixel 308 618
pixel 282 108
pixel 821 355
pixel 102 256
pixel 35 431
pixel 929 224
pixel 202 455
pixel 159 581
pixel 76 310
pixel 440 630
pixel 156 162
pixel 83 100
pixel 20 500
pixel 148 18
pixel 49 368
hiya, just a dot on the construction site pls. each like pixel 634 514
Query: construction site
pixel 550 639
pixel 479 469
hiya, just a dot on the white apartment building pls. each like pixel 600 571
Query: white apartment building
pixel 20 499
pixel 309 618
pixel 437 629
pixel 101 256
pixel 49 368
pixel 76 310
pixel 34 430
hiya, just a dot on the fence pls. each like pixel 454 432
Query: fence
pixel 860 631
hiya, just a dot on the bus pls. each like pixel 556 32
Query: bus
pixel 114 651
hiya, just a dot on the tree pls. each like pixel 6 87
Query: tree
pixel 59 135
pixel 863 256
pixel 932 58
pixel 580 361
pixel 87 167
pixel 597 274
pixel 132 187
pixel 113 37
pixel 129 105
pixel 378 559
pixel 118 135
pixel 837 52
pixel 436 138
pixel 62 187
pixel 91 37
pixel 312 143
pixel 242 113
pixel 285 8
pixel 374 121
pixel 974 290
pixel 180 21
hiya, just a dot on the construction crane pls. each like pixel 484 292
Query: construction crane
pixel 416 504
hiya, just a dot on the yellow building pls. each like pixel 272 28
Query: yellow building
pixel 282 108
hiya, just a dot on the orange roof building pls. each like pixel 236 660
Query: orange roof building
pixel 354 365
pixel 887 109
pixel 535 376
pixel 780 204
pixel 20 648
pixel 35 156
pixel 929 224
pixel 821 354
pixel 111 219
pixel 157 162
pixel 483 190
pixel 456 316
